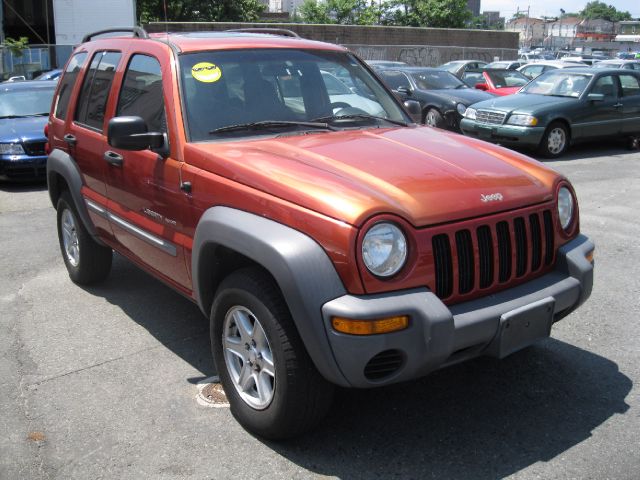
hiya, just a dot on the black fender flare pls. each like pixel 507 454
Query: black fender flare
pixel 61 163
pixel 303 271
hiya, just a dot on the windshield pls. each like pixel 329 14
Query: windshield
pixel 451 66
pixel 436 80
pixel 507 78
pixel 559 83
pixel 607 65
pixel 279 89
pixel 24 103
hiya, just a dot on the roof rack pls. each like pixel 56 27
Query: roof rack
pixel 137 32
pixel 271 31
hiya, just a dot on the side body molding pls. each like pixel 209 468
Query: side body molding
pixel 61 163
pixel 302 269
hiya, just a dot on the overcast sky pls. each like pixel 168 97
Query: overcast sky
pixel 551 8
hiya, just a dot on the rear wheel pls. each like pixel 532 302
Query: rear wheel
pixel 555 141
pixel 86 261
pixel 273 388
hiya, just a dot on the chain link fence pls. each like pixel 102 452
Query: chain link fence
pixel 431 55
pixel 32 61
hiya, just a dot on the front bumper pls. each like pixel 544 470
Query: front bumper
pixel 504 134
pixel 22 167
pixel 496 325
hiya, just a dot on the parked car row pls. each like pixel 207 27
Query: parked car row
pixel 564 103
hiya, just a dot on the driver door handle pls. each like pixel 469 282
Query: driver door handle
pixel 113 158
pixel 617 105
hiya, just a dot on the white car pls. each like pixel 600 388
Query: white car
pixel 532 70
pixel 341 97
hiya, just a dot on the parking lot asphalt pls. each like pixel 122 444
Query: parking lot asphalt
pixel 101 382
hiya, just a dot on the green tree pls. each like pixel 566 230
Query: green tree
pixel 199 10
pixel 429 13
pixel 343 12
pixel 600 10
pixel 16 46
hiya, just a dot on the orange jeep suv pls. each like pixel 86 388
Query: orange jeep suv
pixel 329 239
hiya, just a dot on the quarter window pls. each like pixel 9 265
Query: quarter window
pixel 141 93
pixel 66 84
pixel 95 89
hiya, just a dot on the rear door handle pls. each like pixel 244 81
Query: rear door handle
pixel 70 139
pixel 617 105
pixel 113 158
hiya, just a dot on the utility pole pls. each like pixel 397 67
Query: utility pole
pixel 526 27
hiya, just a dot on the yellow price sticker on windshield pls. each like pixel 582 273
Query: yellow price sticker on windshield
pixel 206 72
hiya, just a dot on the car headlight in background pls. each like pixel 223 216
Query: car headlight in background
pixel 522 120
pixel 384 249
pixel 11 149
pixel 470 113
pixel 461 109
pixel 565 207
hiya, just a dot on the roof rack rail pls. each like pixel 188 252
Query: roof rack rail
pixel 137 32
pixel 272 31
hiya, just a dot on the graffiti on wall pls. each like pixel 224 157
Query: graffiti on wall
pixel 430 56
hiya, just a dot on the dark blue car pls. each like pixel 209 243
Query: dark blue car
pixel 24 110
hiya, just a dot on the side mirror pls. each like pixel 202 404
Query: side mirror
pixel 482 86
pixel 131 133
pixel 595 97
pixel 413 107
pixel 404 90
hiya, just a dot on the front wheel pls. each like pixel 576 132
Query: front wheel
pixel 555 141
pixel 434 118
pixel 273 388
pixel 87 261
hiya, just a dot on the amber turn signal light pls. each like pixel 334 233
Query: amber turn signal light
pixel 370 327
pixel 589 256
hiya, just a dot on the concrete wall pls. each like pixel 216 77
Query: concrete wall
pixel 416 46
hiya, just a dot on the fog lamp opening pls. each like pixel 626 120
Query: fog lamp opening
pixel 370 327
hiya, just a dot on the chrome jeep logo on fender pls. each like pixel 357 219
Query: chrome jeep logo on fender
pixel 491 197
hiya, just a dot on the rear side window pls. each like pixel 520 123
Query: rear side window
pixel 630 85
pixel 67 83
pixel 92 100
pixel 141 93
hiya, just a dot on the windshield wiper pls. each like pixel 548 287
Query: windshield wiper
pixel 267 124
pixel 25 116
pixel 360 116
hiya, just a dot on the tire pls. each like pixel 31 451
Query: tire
pixel 433 118
pixel 273 388
pixel 87 262
pixel 555 141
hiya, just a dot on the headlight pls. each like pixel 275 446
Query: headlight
pixel 384 249
pixel 461 109
pixel 470 113
pixel 523 120
pixel 565 207
pixel 11 149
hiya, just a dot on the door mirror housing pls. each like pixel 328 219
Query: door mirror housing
pixel 482 86
pixel 595 97
pixel 413 107
pixel 131 133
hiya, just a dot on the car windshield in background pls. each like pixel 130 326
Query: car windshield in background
pixel 25 103
pixel 607 65
pixel 280 90
pixel 507 78
pixel 559 83
pixel 437 80
pixel 451 66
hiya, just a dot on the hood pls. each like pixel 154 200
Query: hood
pixel 425 175
pixel 16 130
pixel 466 96
pixel 525 102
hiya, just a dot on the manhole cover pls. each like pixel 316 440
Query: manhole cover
pixel 211 393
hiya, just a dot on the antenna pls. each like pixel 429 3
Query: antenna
pixel 166 21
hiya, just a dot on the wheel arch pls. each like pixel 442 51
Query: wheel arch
pixel 565 122
pixel 63 174
pixel 227 239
